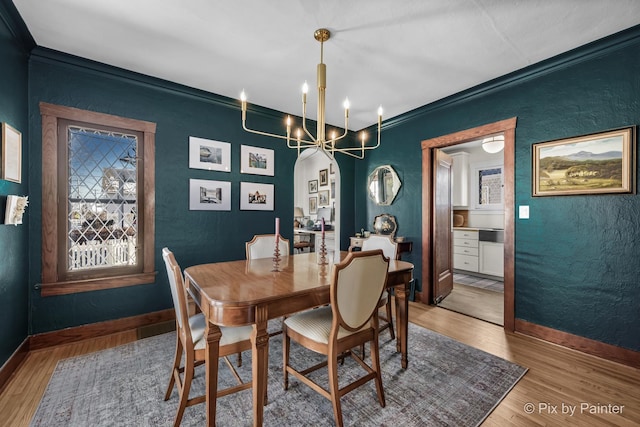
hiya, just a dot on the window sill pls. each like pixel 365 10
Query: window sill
pixel 87 285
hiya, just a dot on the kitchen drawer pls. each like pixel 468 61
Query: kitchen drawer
pixel 469 243
pixel 465 262
pixel 465 234
pixel 464 250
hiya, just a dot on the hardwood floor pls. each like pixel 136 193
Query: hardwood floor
pixel 557 376
pixel 476 302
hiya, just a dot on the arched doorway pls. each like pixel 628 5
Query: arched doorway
pixel 315 194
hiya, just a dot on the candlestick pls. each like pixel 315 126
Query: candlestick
pixel 277 230
pixel 323 249
pixel 323 228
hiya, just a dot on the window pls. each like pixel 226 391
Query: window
pixel 489 186
pixel 97 200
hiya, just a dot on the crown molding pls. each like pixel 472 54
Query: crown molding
pixel 18 29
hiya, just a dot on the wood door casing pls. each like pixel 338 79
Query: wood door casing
pixel 442 245
pixel 508 128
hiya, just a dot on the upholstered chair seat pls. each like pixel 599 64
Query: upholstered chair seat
pixel 351 320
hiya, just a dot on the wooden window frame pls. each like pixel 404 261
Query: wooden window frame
pixel 53 281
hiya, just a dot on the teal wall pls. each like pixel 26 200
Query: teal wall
pixel 576 259
pixel 14 240
pixel 194 236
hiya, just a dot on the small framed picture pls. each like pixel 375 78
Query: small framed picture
pixel 331 169
pixel 207 195
pixel 209 154
pixel 256 160
pixel 323 198
pixel 313 186
pixel 11 155
pixel 313 205
pixel 324 177
pixel 332 188
pixel 256 197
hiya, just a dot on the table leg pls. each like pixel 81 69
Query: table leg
pixel 402 316
pixel 211 365
pixel 260 363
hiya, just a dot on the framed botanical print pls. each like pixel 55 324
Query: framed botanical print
pixel 323 198
pixel 313 186
pixel 324 177
pixel 313 205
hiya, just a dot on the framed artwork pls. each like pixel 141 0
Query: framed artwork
pixel 11 155
pixel 331 169
pixel 591 164
pixel 313 186
pixel 256 160
pixel 313 205
pixel 207 195
pixel 324 177
pixel 209 154
pixel 323 198
pixel 256 197
pixel 332 188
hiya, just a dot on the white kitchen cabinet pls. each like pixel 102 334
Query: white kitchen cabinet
pixel 460 179
pixel 465 250
pixel 491 258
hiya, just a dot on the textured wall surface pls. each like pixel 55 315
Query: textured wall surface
pixel 576 259
pixel 14 240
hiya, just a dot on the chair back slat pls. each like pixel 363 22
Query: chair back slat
pixel 262 246
pixel 358 283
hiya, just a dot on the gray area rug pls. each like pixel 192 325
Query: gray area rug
pixel 447 384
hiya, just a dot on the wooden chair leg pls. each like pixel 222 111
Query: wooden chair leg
pixel 239 359
pixel 176 366
pixel 186 387
pixel 375 364
pixel 334 388
pixel 286 341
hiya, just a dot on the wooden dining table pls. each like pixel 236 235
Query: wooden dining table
pixel 251 292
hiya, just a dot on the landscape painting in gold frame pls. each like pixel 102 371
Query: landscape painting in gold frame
pixel 591 164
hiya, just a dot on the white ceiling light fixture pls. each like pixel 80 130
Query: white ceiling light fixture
pixel 493 144
pixel 320 140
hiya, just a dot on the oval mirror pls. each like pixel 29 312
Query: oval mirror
pixel 383 185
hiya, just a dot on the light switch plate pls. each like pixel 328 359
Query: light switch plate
pixel 523 212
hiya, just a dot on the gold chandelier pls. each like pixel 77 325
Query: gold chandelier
pixel 320 141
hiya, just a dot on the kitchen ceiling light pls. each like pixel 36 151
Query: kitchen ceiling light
pixel 320 140
pixel 493 144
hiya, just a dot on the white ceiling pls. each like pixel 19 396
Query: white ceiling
pixel 400 54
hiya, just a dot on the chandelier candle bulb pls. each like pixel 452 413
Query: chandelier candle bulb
pixel 319 141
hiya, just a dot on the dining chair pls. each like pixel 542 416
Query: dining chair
pixel 351 320
pixel 263 245
pixel 191 341
pixel 390 250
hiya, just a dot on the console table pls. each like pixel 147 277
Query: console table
pixel 404 246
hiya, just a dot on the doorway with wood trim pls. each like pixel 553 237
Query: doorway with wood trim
pixel 437 253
